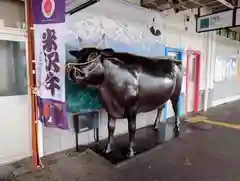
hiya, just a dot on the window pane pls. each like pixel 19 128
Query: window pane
pixel 13 68
pixel 192 68
pixel 12 14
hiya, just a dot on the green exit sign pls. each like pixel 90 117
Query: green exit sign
pixel 204 23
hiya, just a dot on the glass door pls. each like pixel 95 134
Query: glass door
pixel 191 81
pixel 15 127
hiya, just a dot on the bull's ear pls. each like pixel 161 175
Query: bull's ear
pixel 107 52
pixel 74 53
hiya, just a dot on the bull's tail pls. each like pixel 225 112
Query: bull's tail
pixel 179 64
pixel 179 77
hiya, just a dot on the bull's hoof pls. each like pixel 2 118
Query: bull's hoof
pixel 155 127
pixel 108 149
pixel 176 129
pixel 130 153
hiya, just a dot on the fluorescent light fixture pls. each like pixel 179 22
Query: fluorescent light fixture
pixel 225 3
pixel 72 6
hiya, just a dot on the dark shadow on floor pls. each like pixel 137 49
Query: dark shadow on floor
pixel 146 139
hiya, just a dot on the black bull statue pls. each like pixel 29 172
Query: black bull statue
pixel 128 84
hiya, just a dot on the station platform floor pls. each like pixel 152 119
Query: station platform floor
pixel 210 153
pixel 206 150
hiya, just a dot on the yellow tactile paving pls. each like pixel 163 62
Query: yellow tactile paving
pixel 203 119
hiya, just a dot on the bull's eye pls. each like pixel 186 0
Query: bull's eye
pixel 92 56
pixel 90 67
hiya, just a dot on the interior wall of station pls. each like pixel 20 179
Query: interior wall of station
pixel 136 27
pixel 182 34
pixel 137 21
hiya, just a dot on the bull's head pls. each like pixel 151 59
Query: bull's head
pixel 88 67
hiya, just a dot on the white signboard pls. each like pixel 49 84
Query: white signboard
pixel 50 73
pixel 215 21
pixel 50 61
pixel 238 17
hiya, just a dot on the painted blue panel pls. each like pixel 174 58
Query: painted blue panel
pixel 179 51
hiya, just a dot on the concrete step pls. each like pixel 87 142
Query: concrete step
pixel 75 166
pixel 6 173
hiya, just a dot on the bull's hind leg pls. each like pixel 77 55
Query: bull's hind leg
pixel 157 119
pixel 174 100
pixel 131 132
pixel 111 129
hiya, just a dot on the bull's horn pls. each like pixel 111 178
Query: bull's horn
pixel 101 40
pixel 68 67
pixel 79 39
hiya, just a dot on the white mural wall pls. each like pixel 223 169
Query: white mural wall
pixel 122 27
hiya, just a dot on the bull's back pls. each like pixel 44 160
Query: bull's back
pixel 138 86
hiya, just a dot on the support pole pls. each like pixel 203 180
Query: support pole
pixel 32 82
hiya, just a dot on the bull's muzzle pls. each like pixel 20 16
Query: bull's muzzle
pixel 70 70
pixel 74 73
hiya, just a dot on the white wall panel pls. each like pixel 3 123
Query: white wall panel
pixel 227 89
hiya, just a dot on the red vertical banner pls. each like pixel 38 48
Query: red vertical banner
pixel 49 32
pixel 46 47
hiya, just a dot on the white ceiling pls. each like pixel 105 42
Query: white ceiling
pixel 215 5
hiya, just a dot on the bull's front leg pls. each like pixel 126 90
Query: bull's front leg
pixel 111 129
pixel 131 132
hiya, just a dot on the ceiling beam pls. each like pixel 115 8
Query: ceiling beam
pixel 225 3
pixel 196 2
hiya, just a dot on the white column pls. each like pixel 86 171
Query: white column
pixel 207 69
pixel 213 59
